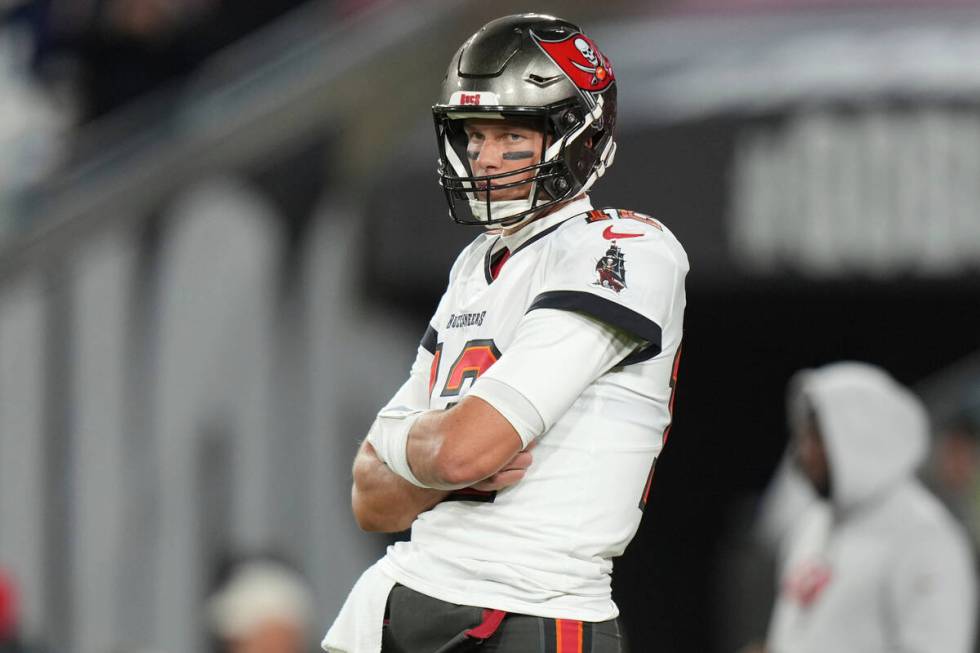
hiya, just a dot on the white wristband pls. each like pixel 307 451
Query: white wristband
pixel 389 437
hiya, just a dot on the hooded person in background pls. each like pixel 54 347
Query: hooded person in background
pixel 877 563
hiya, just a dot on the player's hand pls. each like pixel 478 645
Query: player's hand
pixel 510 474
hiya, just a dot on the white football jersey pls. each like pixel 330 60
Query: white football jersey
pixel 545 545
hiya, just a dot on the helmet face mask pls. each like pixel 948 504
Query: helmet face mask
pixel 538 70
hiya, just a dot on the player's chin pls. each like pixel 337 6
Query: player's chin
pixel 508 194
pixel 519 192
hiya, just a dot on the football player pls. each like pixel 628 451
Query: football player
pixel 560 329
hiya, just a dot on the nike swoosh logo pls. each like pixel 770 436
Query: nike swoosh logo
pixel 609 234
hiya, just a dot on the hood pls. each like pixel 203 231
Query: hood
pixel 875 430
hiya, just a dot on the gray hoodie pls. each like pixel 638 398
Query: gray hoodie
pixel 881 566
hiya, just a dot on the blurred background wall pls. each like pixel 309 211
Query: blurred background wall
pixel 221 237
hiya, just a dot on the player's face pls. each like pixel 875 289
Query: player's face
pixel 811 455
pixel 499 146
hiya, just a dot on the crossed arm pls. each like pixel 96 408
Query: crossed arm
pixel 473 444
pixel 383 501
pixel 470 444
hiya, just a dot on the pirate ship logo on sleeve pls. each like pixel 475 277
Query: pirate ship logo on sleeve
pixel 611 269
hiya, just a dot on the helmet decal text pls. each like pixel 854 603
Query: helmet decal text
pixel 473 98
pixel 580 59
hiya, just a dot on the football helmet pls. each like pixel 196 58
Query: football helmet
pixel 529 66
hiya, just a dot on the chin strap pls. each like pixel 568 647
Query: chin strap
pixel 498 209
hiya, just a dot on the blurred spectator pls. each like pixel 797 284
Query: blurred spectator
pixel 263 606
pixel 11 640
pixel 875 563
pixel 123 49
pixel 8 609
pixel 954 472
pixel 32 122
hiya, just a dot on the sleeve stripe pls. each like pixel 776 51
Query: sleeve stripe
pixel 609 312
pixel 429 340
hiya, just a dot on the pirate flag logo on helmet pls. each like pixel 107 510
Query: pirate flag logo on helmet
pixel 580 59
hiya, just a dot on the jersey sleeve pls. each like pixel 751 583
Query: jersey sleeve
pixel 413 395
pixel 555 356
pixel 624 273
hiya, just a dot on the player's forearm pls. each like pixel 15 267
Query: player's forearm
pixel 431 454
pixel 381 500
pixel 461 446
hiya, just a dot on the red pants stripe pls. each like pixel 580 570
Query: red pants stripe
pixel 568 636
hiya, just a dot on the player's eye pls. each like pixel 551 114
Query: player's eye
pixel 515 137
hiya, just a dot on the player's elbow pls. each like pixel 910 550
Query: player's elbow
pixel 366 518
pixel 374 519
pixel 370 522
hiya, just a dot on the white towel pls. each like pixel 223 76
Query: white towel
pixel 357 629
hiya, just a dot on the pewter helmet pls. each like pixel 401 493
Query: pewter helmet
pixel 542 69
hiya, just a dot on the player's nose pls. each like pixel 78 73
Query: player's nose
pixel 489 156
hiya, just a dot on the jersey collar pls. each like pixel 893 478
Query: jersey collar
pixel 532 232
pixel 535 229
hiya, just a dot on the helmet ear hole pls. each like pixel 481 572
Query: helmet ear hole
pixel 565 121
pixel 569 119
pixel 558 186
